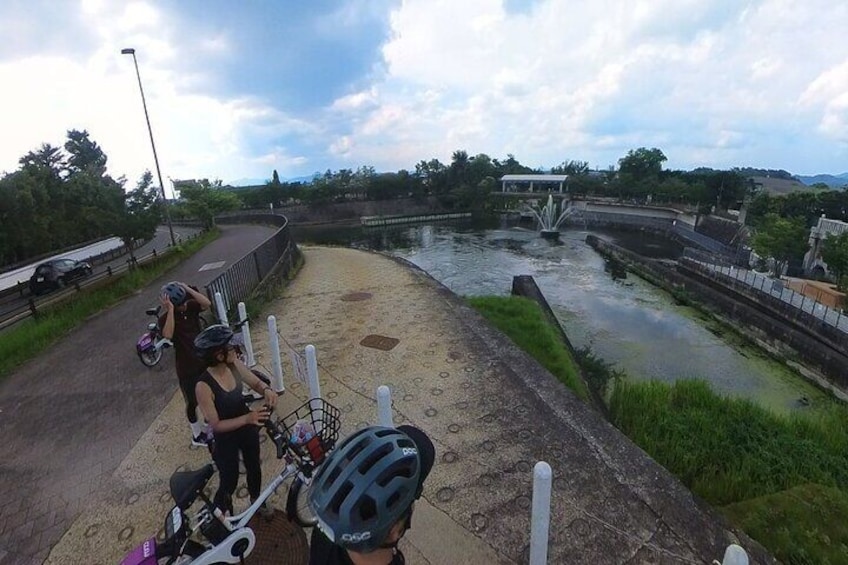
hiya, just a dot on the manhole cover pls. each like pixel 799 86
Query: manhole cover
pixel 356 296
pixel 379 342
pixel 278 541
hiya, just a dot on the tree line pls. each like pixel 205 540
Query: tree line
pixel 466 181
pixel 61 197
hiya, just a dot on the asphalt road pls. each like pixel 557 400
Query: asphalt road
pixel 68 417
pixel 15 302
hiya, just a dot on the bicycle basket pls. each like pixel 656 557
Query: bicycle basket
pixel 312 431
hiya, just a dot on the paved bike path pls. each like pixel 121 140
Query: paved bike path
pixel 491 410
pixel 69 417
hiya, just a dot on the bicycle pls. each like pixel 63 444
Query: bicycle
pixel 151 343
pixel 229 539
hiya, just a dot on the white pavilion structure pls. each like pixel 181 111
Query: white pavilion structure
pixel 533 183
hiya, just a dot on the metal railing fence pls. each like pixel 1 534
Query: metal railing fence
pixel 773 293
pixel 275 256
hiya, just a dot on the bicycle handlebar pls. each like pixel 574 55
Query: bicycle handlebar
pixel 279 438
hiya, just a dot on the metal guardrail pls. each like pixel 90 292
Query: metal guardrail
pixel 21 289
pixel 275 256
pixel 34 305
pixel 828 322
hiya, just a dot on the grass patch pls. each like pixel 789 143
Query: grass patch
pixel 735 454
pixel 523 321
pixel 774 521
pixel 27 339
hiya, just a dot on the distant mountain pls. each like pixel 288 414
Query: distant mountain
pixel 262 182
pixel 247 182
pixel 833 181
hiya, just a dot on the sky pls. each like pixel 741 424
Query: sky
pixel 236 90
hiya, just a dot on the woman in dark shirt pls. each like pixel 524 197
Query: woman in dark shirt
pixel 363 525
pixel 234 425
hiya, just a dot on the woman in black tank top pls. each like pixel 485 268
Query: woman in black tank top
pixel 234 425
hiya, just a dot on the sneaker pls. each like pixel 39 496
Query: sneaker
pixel 200 441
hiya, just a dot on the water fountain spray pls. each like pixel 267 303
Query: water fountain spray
pixel 546 215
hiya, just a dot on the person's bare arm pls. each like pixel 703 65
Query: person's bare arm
pixel 168 326
pixel 254 382
pixel 198 296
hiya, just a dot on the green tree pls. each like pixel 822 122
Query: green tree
pixel 835 254
pixel 203 200
pixel 783 239
pixel 84 155
pixel 571 168
pixel 432 174
pixel 141 213
pixel 641 164
pixel 460 168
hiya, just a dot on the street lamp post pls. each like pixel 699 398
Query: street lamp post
pixel 131 51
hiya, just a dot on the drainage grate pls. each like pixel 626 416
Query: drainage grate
pixel 356 296
pixel 379 342
pixel 278 541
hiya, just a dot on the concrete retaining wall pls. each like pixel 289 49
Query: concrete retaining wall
pixel 820 363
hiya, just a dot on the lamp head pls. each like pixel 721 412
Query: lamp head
pixel 128 51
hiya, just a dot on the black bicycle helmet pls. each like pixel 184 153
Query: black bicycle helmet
pixel 211 340
pixel 365 487
pixel 176 293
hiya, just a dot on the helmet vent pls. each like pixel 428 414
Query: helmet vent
pixel 392 500
pixel 393 472
pixel 341 495
pixel 334 474
pixel 357 448
pixel 374 457
pixel 367 508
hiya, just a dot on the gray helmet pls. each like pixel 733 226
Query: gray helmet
pixel 176 293
pixel 365 487
pixel 211 340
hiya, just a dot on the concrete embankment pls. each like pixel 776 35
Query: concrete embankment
pixel 525 285
pixel 813 358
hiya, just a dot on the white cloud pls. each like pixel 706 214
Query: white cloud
pixel 712 83
pixel 591 80
pixel 196 135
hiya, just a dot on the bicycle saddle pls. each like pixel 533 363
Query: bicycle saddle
pixel 186 485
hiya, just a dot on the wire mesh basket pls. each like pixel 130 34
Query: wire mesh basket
pixel 312 431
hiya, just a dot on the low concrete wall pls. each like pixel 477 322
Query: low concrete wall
pixel 818 362
pixel 525 285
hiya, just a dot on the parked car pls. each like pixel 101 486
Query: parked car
pixel 56 273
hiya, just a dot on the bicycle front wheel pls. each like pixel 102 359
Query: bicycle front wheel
pixel 150 357
pixel 297 505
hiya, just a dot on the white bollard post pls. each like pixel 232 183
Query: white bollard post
pixel 540 518
pixel 384 406
pixel 276 362
pixel 734 555
pixel 222 309
pixel 312 372
pixel 245 334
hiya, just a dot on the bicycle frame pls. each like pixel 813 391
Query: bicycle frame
pixel 289 471
pixel 229 539
pixel 241 539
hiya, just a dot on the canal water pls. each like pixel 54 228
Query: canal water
pixel 623 319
